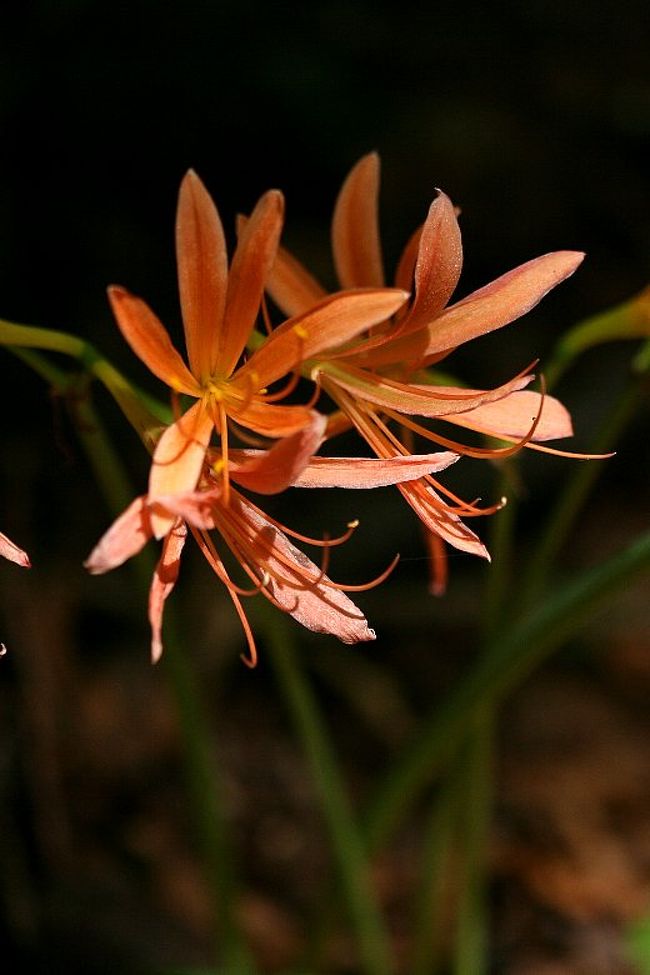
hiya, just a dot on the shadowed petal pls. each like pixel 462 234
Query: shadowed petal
pixel 164 580
pixel 291 286
pixel 126 537
pixel 271 471
pixel 177 460
pixel 371 472
pixel 273 419
pixel 430 509
pixel 513 416
pixel 249 270
pixel 10 551
pixel 355 230
pixel 150 341
pixel 337 319
pixel 202 273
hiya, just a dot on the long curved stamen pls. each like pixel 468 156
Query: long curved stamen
pixel 364 586
pixel 316 542
pixel 285 391
pixel 213 559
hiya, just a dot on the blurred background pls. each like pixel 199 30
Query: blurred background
pixel 535 120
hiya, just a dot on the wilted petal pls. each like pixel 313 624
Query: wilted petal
pixel 249 270
pixel 337 319
pixel 10 551
pixel 355 230
pixel 125 538
pixel 164 580
pixel 306 594
pixel 271 471
pixel 371 472
pixel 150 340
pixel 291 286
pixel 514 415
pixel 178 459
pixel 202 273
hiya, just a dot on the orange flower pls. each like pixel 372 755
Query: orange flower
pixel 276 568
pixel 371 378
pixel 219 308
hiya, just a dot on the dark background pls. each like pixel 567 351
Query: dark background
pixel 533 117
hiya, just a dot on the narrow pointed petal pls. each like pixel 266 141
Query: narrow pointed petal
pixel 10 551
pixel 430 509
pixel 202 273
pixel 513 416
pixel 150 341
pixel 126 537
pixel 249 271
pixel 439 263
pixel 177 461
pixel 271 471
pixel 501 302
pixel 272 419
pixel 414 399
pixel 311 601
pixel 164 580
pixel 291 286
pixel 355 227
pixel 340 318
pixel 371 472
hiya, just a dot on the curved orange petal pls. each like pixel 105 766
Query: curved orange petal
pixel 439 263
pixel 414 399
pixel 164 580
pixel 126 537
pixel 291 286
pixel 501 302
pixel 371 472
pixel 249 270
pixel 431 510
pixel 513 415
pixel 177 461
pixel 150 341
pixel 202 273
pixel 272 419
pixel 10 551
pixel 355 228
pixel 271 471
pixel 337 319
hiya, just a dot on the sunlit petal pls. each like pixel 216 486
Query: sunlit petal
pixel 10 551
pixel 291 286
pixel 126 537
pixel 431 510
pixel 371 472
pixel 202 273
pixel 249 270
pixel 150 340
pixel 337 319
pixel 178 459
pixel 513 415
pixel 439 263
pixel 355 230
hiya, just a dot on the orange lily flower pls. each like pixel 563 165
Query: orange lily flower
pixel 219 310
pixel 276 568
pixel 368 378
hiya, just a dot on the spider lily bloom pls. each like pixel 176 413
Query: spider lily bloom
pixel 219 309
pixel 370 378
pixel 14 554
pixel 276 568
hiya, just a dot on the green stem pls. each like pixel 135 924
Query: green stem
pixel 201 773
pixel 472 923
pixel 345 836
pixel 505 663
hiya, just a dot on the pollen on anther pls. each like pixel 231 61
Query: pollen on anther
pixel 300 331
pixel 353 524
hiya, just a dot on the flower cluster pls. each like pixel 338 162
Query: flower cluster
pixel 366 356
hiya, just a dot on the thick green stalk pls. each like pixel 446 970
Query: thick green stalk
pixel 504 664
pixel 345 836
